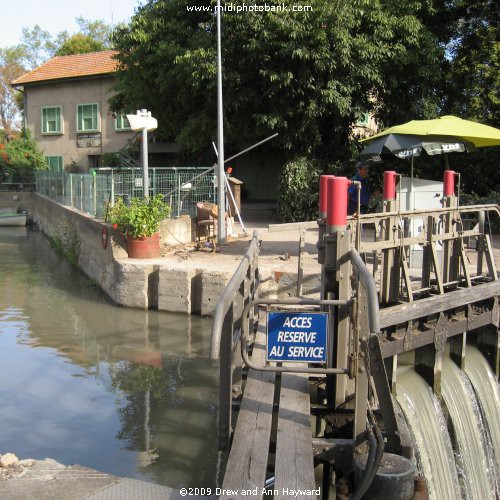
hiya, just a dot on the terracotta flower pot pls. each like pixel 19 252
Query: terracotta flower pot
pixel 144 248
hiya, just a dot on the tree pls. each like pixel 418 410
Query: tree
pixel 306 75
pixel 19 155
pixel 79 44
pixel 98 30
pixel 10 68
pixel 473 77
pixel 36 46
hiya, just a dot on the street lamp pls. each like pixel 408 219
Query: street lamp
pixel 143 121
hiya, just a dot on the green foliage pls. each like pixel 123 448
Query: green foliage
pixel 10 69
pixel 20 155
pixel 111 160
pixel 472 80
pixel 141 218
pixel 66 241
pixel 298 190
pixel 79 44
pixel 96 29
pixel 306 75
pixel 492 218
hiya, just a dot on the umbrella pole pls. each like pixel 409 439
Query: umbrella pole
pixel 446 163
pixel 411 184
pixel 412 206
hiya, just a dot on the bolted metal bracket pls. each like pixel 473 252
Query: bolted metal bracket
pixel 338 452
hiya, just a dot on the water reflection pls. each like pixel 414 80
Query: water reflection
pixel 127 392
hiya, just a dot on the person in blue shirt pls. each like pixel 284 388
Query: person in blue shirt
pixel 365 195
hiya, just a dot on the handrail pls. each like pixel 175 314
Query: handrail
pixel 228 296
pixel 369 285
pixel 369 218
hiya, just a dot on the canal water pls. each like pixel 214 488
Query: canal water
pixel 127 392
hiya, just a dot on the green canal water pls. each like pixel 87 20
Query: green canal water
pixel 126 392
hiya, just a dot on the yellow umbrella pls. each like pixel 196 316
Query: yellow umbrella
pixel 478 134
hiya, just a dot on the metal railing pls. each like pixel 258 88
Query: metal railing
pixel 90 192
pixel 235 318
pixel 227 329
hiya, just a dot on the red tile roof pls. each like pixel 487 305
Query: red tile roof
pixel 74 66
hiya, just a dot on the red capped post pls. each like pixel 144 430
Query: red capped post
pixel 389 185
pixel 323 195
pixel 336 218
pixel 449 183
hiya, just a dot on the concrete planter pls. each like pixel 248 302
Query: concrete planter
pixel 144 248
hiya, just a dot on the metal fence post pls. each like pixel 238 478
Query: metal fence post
pixel 81 193
pixel 178 177
pixel 112 188
pixel 71 190
pixel 95 193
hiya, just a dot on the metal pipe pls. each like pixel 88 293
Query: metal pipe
pixel 227 297
pixel 369 285
pixel 144 161
pixel 221 198
pixel 251 147
pixel 376 444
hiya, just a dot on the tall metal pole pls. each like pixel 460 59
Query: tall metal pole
pixel 144 158
pixel 221 227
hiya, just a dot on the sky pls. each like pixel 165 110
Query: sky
pixel 55 16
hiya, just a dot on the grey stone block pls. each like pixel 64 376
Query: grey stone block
pixel 213 284
pixel 174 289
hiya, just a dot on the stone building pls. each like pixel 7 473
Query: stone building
pixel 66 109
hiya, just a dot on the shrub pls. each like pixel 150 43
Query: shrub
pixel 492 197
pixel 23 153
pixel 141 218
pixel 298 190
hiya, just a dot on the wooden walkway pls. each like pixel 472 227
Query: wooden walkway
pixel 273 427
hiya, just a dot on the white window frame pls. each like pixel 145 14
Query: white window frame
pixel 83 131
pixel 55 156
pixel 121 129
pixel 362 122
pixel 61 121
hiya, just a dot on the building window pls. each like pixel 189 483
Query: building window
pixel 121 123
pixel 363 120
pixel 55 163
pixel 87 118
pixel 51 120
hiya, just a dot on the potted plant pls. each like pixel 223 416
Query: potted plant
pixel 139 222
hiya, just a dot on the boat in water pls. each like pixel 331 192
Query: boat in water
pixel 12 219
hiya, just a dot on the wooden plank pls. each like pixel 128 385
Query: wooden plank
pixel 294 453
pixel 431 305
pixel 247 463
pixel 291 226
pixel 419 339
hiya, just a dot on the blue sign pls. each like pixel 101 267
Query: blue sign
pixel 297 336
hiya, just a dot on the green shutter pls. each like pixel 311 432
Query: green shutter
pixel 80 118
